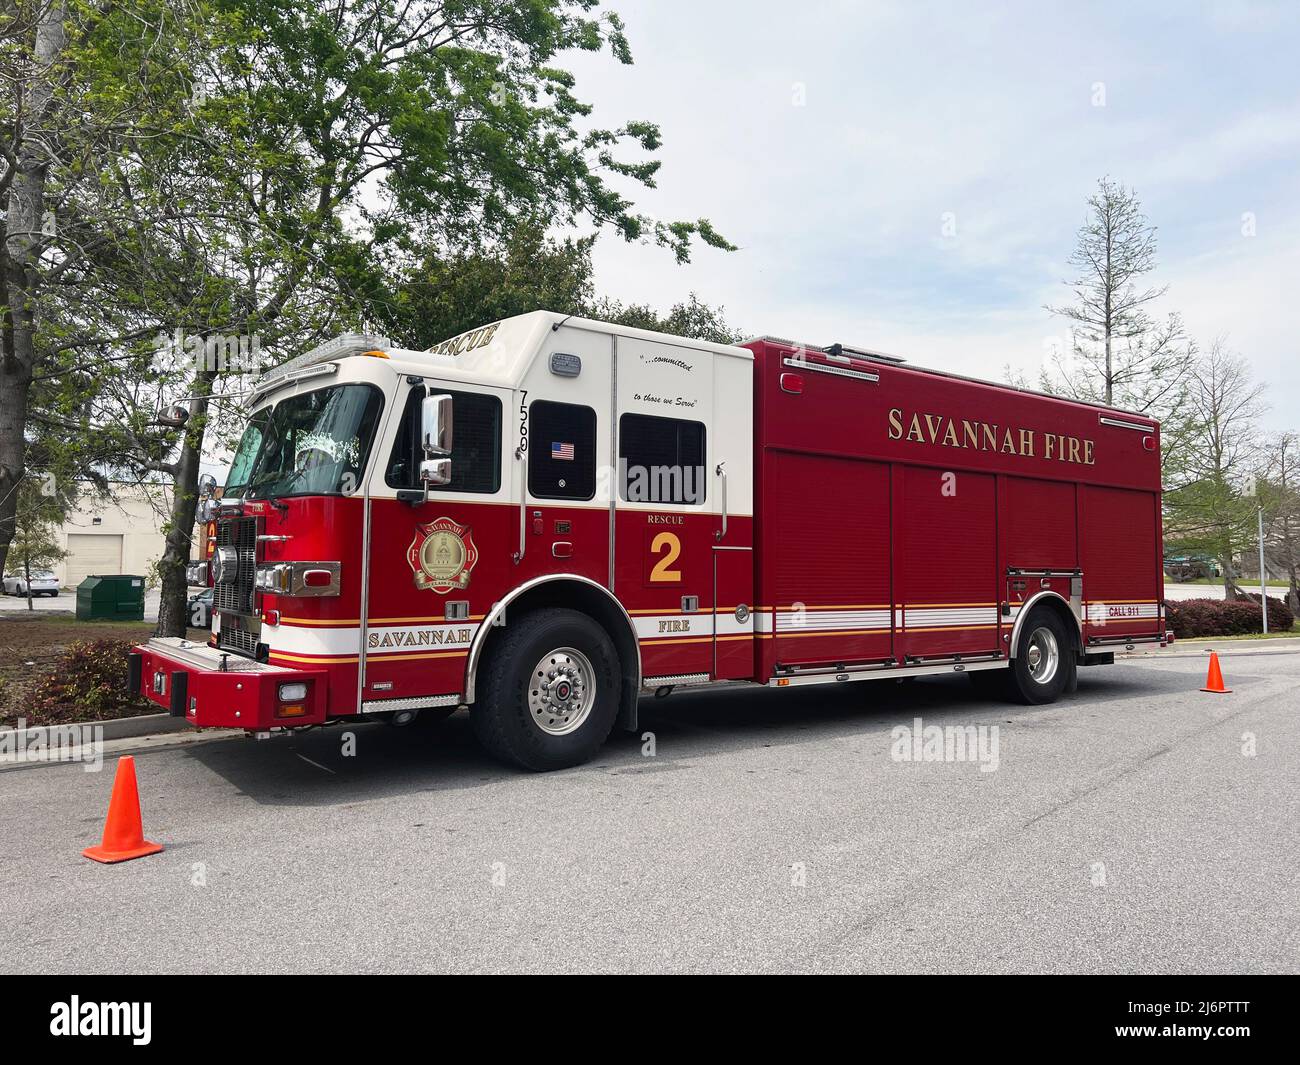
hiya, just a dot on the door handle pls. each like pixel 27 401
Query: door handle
pixel 562 549
pixel 721 471
pixel 522 456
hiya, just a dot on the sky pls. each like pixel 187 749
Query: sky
pixel 910 177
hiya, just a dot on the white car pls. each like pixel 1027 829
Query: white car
pixel 43 583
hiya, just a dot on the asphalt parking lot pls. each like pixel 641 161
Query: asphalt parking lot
pixel 1126 829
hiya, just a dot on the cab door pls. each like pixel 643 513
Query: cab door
pixel 561 459
pixel 665 503
pixel 438 559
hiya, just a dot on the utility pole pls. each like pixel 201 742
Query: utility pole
pixel 1251 488
pixel 1263 578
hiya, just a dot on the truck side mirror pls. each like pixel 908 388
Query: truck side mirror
pixel 435 426
pixel 207 486
pixel 435 437
pixel 435 471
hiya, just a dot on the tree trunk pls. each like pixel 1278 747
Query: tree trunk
pixel 173 613
pixel 15 382
pixel 24 211
pixel 1231 589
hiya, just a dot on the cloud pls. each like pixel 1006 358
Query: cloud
pixel 832 142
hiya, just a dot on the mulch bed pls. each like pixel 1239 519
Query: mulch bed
pixel 31 643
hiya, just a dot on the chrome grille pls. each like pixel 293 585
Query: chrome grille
pixel 237 595
pixel 234 599
pixel 238 634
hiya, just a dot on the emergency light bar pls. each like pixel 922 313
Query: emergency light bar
pixel 338 348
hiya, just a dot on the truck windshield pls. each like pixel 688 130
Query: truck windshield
pixel 315 443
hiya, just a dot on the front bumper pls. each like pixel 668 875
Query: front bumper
pixel 187 680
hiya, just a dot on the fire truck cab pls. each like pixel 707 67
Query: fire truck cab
pixel 545 517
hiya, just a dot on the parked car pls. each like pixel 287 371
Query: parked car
pixel 1191 568
pixel 43 583
pixel 200 610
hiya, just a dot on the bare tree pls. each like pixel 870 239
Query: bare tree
pixel 1281 479
pixel 1118 353
pixel 1205 510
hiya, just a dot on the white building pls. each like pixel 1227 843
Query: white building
pixel 119 533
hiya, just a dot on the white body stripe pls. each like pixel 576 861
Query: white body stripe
pixel 381 639
pixel 949 617
pixel 819 620
pixel 1101 613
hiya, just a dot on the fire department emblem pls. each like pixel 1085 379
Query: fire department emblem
pixel 442 555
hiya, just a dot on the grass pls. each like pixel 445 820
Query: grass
pixel 1290 633
pixel 1217 582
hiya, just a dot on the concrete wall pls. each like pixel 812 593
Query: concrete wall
pixel 126 526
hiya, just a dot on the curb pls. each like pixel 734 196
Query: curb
pixel 118 729
pixel 1231 652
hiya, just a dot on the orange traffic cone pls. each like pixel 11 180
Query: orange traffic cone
pixel 1214 680
pixel 123 831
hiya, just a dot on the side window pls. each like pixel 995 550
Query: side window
pixel 475 448
pixel 561 450
pixel 661 460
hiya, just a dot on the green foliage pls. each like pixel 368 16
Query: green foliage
pixel 35 545
pixel 447 294
pixel 692 318
pixel 88 681
pixel 429 124
pixel 444 296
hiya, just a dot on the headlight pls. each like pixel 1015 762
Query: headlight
pixel 273 578
pixel 293 693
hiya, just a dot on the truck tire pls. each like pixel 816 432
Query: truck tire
pixel 991 683
pixel 549 693
pixel 1045 663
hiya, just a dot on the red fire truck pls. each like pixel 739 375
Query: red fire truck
pixel 546 517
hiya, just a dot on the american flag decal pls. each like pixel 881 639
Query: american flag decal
pixel 561 451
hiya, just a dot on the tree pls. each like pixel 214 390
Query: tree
pixel 1119 354
pixel 446 294
pixel 1205 510
pixel 35 545
pixel 33 38
pixel 319 149
pixel 1280 479
pixel 85 83
pixel 693 318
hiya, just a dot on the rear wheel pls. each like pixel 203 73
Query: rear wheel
pixel 1044 665
pixel 549 692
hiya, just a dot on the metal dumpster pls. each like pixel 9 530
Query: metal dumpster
pixel 111 597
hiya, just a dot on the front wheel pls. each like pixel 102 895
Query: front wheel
pixel 550 691
pixel 1045 664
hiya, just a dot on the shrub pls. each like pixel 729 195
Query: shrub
pixel 1280 618
pixel 88 681
pixel 1195 618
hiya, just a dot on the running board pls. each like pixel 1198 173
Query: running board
pixel 418 702
pixel 878 672
pixel 674 680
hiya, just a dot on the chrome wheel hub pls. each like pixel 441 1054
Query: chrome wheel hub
pixel 1043 655
pixel 561 691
